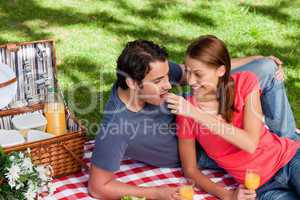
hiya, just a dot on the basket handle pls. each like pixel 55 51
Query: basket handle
pixel 12 47
pixel 85 166
pixel 6 83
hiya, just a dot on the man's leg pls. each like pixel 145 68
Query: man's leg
pixel 276 108
pixel 205 162
pixel 278 188
pixel 294 173
pixel 278 195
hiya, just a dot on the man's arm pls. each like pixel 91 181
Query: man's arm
pixel 102 185
pixel 237 62
pixel 108 152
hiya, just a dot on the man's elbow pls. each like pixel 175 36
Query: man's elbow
pixel 189 172
pixel 96 191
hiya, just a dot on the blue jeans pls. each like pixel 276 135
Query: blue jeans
pixel 285 185
pixel 276 108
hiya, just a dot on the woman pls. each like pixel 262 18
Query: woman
pixel 224 115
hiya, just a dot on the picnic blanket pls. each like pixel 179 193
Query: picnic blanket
pixel 132 172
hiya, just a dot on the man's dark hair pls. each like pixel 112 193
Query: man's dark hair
pixel 135 59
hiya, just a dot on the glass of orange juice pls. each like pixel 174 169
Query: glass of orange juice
pixel 252 179
pixel 56 120
pixel 187 190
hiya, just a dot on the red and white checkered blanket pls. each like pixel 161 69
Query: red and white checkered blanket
pixel 75 186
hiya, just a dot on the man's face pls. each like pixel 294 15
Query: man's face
pixel 156 83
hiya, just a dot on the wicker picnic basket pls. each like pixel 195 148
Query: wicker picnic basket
pixel 35 66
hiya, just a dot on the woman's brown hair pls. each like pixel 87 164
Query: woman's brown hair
pixel 212 51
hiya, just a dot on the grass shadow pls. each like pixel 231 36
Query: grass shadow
pixel 86 95
pixel 197 19
pixel 274 11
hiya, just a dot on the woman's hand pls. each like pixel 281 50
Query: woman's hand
pixel 241 193
pixel 179 106
pixel 167 193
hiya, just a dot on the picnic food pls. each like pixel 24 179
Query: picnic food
pixel 55 113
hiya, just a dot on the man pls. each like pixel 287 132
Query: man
pixel 138 125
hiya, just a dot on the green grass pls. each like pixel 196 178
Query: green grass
pixel 91 34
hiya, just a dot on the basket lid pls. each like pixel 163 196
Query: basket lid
pixel 33 64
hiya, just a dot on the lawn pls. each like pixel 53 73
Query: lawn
pixel 91 34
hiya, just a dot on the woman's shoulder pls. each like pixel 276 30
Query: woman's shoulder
pixel 245 82
pixel 245 79
pixel 244 76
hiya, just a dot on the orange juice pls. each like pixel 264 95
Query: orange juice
pixel 252 180
pixel 56 120
pixel 186 192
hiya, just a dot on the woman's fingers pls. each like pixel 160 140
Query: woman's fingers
pixel 177 197
pixel 246 194
pixel 173 107
pixel 172 101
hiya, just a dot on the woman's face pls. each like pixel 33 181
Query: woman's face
pixel 202 78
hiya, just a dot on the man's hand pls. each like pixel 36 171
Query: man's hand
pixel 167 193
pixel 279 63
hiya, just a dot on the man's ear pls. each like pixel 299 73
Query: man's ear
pixel 132 84
pixel 221 71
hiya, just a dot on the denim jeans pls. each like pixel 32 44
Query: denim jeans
pixel 276 108
pixel 285 185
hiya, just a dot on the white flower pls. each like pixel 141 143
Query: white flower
pixel 43 173
pixel 22 166
pixel 31 191
pixel 21 155
pixel 27 164
pixel 12 183
pixel 19 185
pixel 30 195
pixel 13 174
pixel 12 158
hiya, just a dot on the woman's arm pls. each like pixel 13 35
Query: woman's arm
pixel 190 169
pixel 246 139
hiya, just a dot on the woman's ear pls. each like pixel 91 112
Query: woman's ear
pixel 131 84
pixel 221 71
